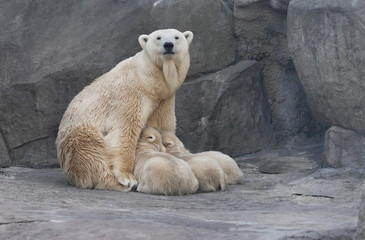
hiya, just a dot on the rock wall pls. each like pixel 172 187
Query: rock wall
pixel 260 27
pixel 51 50
pixel 305 57
pixel 326 39
pixel 225 111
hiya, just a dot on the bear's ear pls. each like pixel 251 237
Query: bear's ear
pixel 168 143
pixel 151 138
pixel 189 36
pixel 143 40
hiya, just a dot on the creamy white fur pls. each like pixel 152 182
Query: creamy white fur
pixel 206 160
pixel 99 131
pixel 158 172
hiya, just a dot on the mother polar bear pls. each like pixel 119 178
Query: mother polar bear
pixel 98 133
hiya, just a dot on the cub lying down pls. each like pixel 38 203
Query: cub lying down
pixel 208 172
pixel 176 148
pixel 158 172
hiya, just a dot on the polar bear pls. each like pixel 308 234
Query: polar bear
pixel 209 174
pixel 229 166
pixel 98 133
pixel 158 172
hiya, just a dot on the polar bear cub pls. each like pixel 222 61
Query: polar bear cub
pixel 229 166
pixel 209 173
pixel 158 172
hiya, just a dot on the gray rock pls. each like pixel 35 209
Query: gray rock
pixel 51 50
pixel 360 232
pixel 213 48
pixel 280 4
pixel 39 204
pixel 344 148
pixel 277 165
pixel 5 160
pixel 225 111
pixel 299 148
pixel 275 4
pixel 326 39
pixel 261 34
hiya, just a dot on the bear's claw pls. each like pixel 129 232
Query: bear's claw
pixel 134 188
pixel 127 180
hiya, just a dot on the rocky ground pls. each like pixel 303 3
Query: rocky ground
pixel 284 195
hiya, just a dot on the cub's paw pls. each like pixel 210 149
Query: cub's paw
pixel 128 180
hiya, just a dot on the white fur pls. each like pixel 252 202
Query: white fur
pixel 99 131
pixel 176 148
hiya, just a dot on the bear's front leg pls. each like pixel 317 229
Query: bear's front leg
pixel 123 141
pixel 163 118
pixel 121 155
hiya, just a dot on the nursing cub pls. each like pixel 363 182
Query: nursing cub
pixel 158 172
pixel 164 166
pixel 229 166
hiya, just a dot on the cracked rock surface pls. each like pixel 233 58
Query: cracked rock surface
pixel 298 201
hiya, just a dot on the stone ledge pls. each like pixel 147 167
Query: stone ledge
pixel 39 203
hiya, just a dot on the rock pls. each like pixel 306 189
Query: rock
pixel 260 27
pixel 225 111
pixel 326 39
pixel 40 204
pixel 50 52
pixel 213 48
pixel 344 148
pixel 5 160
pixel 284 156
pixel 277 165
pixel 275 4
pixel 280 4
pixel 360 232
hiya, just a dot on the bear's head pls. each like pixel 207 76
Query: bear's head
pixel 151 138
pixel 166 44
pixel 172 144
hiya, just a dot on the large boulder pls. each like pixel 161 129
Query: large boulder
pixel 344 148
pixel 260 27
pixel 226 111
pixel 51 50
pixel 326 39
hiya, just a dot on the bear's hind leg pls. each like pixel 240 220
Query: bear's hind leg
pixel 120 167
pixel 83 160
pixel 111 183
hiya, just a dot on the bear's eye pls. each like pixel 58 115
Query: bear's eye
pixel 176 38
pixel 158 38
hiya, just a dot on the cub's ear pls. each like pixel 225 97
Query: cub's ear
pixel 189 36
pixel 168 143
pixel 151 138
pixel 143 40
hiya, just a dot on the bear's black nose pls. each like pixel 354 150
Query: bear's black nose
pixel 168 46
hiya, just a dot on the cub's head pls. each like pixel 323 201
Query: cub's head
pixel 151 138
pixel 172 143
pixel 166 44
